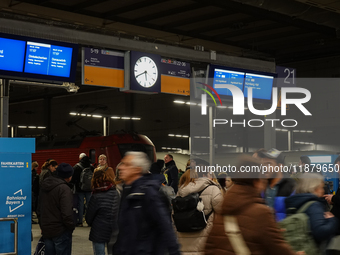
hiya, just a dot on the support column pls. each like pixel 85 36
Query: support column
pixel 4 107
pixel 270 132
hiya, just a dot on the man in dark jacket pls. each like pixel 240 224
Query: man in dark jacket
pixel 170 172
pixel 56 214
pixel 80 195
pixel 144 223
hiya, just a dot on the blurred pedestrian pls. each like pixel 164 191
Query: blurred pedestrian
pixel 144 224
pixel 323 224
pixel 245 225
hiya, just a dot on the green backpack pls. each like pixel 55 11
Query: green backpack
pixel 296 231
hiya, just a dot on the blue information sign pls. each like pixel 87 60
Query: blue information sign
pixel 47 59
pixel 12 54
pixel 15 192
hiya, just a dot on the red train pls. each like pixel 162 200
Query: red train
pixel 113 146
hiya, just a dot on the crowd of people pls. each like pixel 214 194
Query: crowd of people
pixel 142 208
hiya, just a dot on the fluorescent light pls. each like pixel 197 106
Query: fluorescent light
pixel 97 116
pixel 83 114
pixel 309 131
pixel 171 135
pixel 303 131
pixel 134 118
pixel 178 135
pixel 185 136
pixel 73 113
pixel 32 127
pixel 296 131
pixel 22 126
pixel 88 115
pixel 115 117
pixel 168 148
pixel 126 118
pixel 8 126
pixel 284 130
pixel 173 149
pixel 197 137
pixel 41 127
pixel 179 102
pixel 163 148
pixel 320 159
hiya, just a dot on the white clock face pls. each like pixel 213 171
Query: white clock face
pixel 146 72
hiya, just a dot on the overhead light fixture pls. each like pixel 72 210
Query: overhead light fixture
pixel 22 126
pixel 115 117
pixel 171 135
pixel 97 116
pixel 179 102
pixel 134 118
pixel 32 127
pixel 126 118
pixel 73 113
pixel 41 127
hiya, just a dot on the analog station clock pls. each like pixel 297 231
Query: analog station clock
pixel 145 72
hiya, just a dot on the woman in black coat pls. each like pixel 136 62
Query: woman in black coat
pixel 102 213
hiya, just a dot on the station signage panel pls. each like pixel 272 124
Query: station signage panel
pixel 26 58
pixel 102 68
pixel 286 76
pixel 175 78
pixel 15 193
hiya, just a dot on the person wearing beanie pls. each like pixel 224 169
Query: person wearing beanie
pixel 55 211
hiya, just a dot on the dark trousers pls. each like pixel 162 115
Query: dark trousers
pixel 60 245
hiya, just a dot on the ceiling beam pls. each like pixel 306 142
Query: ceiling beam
pixel 193 20
pixel 132 7
pixel 271 15
pixel 225 24
pixel 168 12
pixel 86 4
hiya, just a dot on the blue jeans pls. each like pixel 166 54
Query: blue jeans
pixel 81 196
pixel 61 245
pixel 98 248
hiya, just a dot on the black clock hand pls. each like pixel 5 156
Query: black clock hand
pixel 140 74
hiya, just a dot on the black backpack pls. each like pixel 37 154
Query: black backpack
pixel 86 178
pixel 186 216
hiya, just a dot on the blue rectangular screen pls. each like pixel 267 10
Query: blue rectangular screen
pixel 47 59
pixel 227 77
pixel 261 84
pixel 12 54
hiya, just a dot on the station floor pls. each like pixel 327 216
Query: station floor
pixel 81 245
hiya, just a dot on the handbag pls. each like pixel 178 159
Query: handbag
pixel 40 249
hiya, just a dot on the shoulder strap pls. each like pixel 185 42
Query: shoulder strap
pixel 82 168
pixel 199 193
pixel 234 234
pixel 305 206
pixel 106 169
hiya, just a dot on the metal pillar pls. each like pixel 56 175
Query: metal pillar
pixel 269 131
pixel 106 126
pixel 4 107
pixel 211 138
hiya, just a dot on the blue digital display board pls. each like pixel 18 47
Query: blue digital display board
pixel 261 84
pixel 37 59
pixel 227 77
pixel 47 59
pixel 12 54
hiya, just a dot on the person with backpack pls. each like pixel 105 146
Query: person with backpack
pixel 102 213
pixel 144 224
pixel 198 199
pixel 103 165
pixel 83 172
pixel 244 224
pixel 308 201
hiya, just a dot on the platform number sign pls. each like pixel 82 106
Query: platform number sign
pixel 286 76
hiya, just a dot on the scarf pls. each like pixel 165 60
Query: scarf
pixel 104 186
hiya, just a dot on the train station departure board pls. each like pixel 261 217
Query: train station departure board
pixel 102 67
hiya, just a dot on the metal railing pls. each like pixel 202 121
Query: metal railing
pixel 15 236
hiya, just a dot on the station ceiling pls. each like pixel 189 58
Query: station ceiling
pixel 284 30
